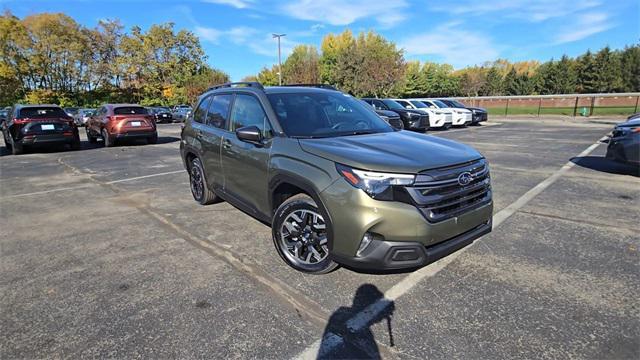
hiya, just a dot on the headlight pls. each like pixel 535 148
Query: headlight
pixel 376 184
pixel 413 115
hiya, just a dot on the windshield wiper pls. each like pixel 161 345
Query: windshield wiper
pixel 357 132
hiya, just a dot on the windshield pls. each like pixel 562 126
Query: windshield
pixel 419 104
pixel 458 104
pixel 453 103
pixel 320 114
pixel 42 113
pixel 392 104
pixel 440 104
pixel 130 110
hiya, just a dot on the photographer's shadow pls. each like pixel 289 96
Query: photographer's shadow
pixel 357 339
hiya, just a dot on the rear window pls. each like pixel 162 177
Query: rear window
pixel 42 113
pixel 130 110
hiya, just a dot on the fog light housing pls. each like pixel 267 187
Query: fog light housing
pixel 366 240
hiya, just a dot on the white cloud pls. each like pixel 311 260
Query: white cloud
pixel 527 10
pixel 340 13
pixel 238 4
pixel 584 26
pixel 208 34
pixel 456 46
pixel 257 41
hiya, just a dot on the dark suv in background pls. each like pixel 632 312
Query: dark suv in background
pixel 412 119
pixel 335 182
pixel 38 125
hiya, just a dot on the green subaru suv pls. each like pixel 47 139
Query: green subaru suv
pixel 336 183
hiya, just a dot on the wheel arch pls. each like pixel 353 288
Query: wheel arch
pixel 299 185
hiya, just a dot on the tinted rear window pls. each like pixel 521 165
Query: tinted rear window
pixel 130 110
pixel 42 113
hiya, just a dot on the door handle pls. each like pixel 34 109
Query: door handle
pixel 226 144
pixel 198 133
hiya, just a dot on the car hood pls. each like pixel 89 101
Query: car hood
pixel 629 124
pixel 386 113
pixel 477 109
pixel 398 151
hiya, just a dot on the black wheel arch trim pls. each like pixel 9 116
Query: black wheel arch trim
pixel 309 189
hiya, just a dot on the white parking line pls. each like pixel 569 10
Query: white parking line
pixel 89 185
pixel 362 319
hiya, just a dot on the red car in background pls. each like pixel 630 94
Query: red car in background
pixel 113 122
pixel 38 125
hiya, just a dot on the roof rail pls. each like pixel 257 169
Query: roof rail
pixel 238 84
pixel 322 86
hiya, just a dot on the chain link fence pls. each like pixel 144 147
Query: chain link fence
pixel 567 105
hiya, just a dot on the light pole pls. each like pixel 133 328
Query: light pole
pixel 278 36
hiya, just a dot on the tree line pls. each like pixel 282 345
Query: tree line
pixel 370 65
pixel 50 58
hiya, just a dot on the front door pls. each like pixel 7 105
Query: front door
pixel 245 165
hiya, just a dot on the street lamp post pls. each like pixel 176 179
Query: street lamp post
pixel 278 36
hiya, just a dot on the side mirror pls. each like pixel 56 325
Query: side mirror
pixel 250 134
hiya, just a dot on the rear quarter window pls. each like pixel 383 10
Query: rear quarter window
pixel 130 110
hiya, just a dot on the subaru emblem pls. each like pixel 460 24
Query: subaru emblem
pixel 465 178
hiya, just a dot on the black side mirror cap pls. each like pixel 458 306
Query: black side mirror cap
pixel 250 134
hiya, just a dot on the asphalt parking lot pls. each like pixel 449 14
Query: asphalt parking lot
pixel 105 254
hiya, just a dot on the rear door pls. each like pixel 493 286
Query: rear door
pixel 210 130
pixel 245 165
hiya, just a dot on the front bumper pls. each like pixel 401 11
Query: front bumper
pixel 479 117
pixel 383 256
pixel 622 149
pixel 437 121
pixel 396 226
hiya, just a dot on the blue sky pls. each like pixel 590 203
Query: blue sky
pixel 236 34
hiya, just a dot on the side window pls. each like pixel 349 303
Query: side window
pixel 247 111
pixel 199 115
pixel 218 111
pixel 378 105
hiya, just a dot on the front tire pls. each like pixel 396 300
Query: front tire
pixel 198 184
pixel 300 235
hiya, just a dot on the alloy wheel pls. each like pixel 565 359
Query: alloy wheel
pixel 197 183
pixel 303 236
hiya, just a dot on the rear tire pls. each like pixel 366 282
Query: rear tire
pixel 7 143
pixel 198 184
pixel 92 139
pixel 17 148
pixel 75 145
pixel 300 235
pixel 108 142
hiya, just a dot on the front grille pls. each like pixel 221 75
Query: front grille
pixel 424 121
pixel 440 196
pixel 396 122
